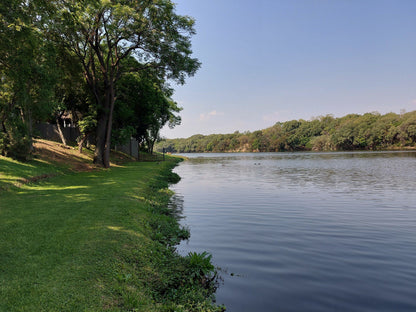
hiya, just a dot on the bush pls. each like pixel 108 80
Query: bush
pixel 20 148
pixel 4 142
pixel 16 143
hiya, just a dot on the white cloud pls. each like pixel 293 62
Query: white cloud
pixel 206 116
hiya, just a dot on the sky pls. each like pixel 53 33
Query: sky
pixel 269 61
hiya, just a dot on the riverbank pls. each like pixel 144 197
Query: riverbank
pixel 95 240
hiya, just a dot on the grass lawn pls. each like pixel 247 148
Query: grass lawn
pixel 98 240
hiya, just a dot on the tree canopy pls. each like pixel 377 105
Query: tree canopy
pixel 51 50
pixel 370 131
pixel 27 70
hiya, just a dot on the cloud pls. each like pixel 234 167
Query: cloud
pixel 206 116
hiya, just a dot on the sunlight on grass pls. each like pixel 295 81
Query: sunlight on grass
pixel 138 197
pixel 90 241
pixel 53 187
pixel 121 229
pixel 78 197
pixel 8 178
pixel 109 183
pixel 12 161
pixel 13 173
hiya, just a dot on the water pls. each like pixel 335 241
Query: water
pixel 305 231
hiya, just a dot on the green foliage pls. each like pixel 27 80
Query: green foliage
pixel 106 36
pixel 68 56
pixel 87 124
pixel 143 107
pixel 200 266
pixel 28 74
pixel 19 143
pixel 370 131
pixel 15 142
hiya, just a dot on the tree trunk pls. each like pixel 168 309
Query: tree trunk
pixel 104 126
pixel 100 140
pixel 107 147
pixel 82 141
pixel 152 144
pixel 5 137
pixel 148 144
pixel 61 134
pixel 30 129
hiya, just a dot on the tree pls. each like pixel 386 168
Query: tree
pixel 407 129
pixel 72 96
pixel 103 33
pixel 164 113
pixel 27 73
pixel 143 107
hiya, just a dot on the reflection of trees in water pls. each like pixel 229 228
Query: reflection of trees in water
pixel 350 171
pixel 176 206
pixel 326 171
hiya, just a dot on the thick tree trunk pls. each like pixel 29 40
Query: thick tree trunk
pixel 5 137
pixel 100 140
pixel 107 147
pixel 152 144
pixel 148 144
pixel 30 129
pixel 104 126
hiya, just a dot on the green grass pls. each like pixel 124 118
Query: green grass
pixel 13 172
pixel 94 241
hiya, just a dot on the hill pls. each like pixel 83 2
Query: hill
pixel 370 131
pixel 50 159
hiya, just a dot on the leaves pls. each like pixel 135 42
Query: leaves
pixel 28 75
pixel 50 50
pixel 365 132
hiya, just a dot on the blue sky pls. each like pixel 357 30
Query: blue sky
pixel 266 61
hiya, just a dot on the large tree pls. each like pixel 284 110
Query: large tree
pixel 144 107
pixel 102 33
pixel 27 72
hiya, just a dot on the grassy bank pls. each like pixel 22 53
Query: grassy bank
pixel 98 240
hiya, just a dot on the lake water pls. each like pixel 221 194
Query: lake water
pixel 305 231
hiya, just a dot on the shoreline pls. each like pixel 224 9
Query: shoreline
pixel 96 240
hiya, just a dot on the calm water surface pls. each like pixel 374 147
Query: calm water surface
pixel 305 231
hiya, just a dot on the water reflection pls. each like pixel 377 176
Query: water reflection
pixel 348 171
pixel 305 231
pixel 176 204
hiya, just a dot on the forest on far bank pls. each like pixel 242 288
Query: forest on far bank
pixel 370 131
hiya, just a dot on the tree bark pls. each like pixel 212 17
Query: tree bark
pixel 152 144
pixel 82 141
pixel 104 125
pixel 107 146
pixel 61 134
pixel 100 140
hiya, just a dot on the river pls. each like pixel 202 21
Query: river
pixel 304 231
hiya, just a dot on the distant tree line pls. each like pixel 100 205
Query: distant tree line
pixel 371 131
pixel 106 64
